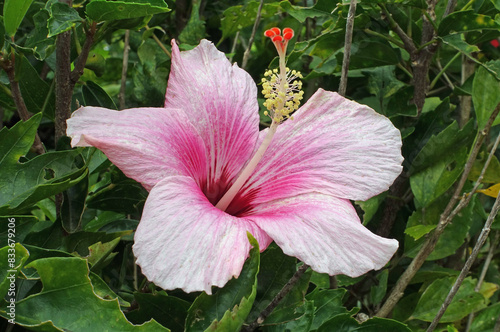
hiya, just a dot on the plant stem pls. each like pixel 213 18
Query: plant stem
pixel 158 41
pixel 123 84
pixel 446 217
pixel 487 262
pixel 277 299
pixel 9 67
pixel 465 270
pixel 252 36
pixel 442 71
pixel 347 47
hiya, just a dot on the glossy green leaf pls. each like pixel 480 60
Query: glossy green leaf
pixel 463 21
pixel 12 258
pixel 102 10
pixel 194 30
pixel 485 95
pixel 377 292
pixel 36 92
pixel 23 184
pixel 13 13
pixel 327 303
pixel 37 41
pixel 440 162
pixel 94 95
pixel 427 218
pixel 238 17
pixel 227 309
pixel 69 301
pixel 101 253
pixel 24 225
pixel 62 18
pixel 492 174
pixel 372 53
pixel 465 301
pixel 275 270
pixel 291 319
pixel 166 310
pixel 2 32
pixel 74 205
pixel 486 319
pixel 322 9
pixel 346 323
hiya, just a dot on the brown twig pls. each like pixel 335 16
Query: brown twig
pixel 123 84
pixel 277 299
pixel 347 47
pixel 446 217
pixel 465 270
pixel 65 78
pixel 246 55
pixel 160 44
pixel 480 280
pixel 9 67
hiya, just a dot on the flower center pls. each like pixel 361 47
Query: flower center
pixel 283 95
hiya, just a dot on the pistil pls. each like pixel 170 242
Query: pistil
pixel 283 95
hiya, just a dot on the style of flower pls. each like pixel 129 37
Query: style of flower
pixel 296 191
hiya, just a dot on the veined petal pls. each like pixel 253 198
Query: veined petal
pixel 333 146
pixel 183 241
pixel 147 144
pixel 324 232
pixel 220 100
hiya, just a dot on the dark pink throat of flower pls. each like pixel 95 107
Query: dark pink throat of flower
pixel 281 101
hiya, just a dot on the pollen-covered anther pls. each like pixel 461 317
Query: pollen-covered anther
pixel 281 99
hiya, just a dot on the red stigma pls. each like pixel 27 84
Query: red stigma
pixel 280 40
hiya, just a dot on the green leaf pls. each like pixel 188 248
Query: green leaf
pixel 74 204
pixel 101 10
pixel 417 231
pixel 228 308
pixel 69 301
pixel 13 13
pixel 492 174
pixel 36 92
pixel 485 320
pixel 194 30
pixel 327 303
pixel 24 184
pixel 345 323
pixel 94 95
pixel 370 54
pixel 291 319
pixel 2 32
pixel 485 95
pixel 238 17
pixel 463 21
pixel 24 225
pixel 427 218
pixel 465 301
pixel 377 292
pixel 440 162
pixel 322 8
pixel 37 41
pixel 100 253
pixel 12 259
pixel 62 18
pixel 166 310
pixel 276 269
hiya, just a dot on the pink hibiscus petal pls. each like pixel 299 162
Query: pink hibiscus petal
pixel 325 233
pixel 220 100
pixel 184 242
pixel 147 144
pixel 334 146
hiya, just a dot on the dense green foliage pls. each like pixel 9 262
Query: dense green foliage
pixel 433 71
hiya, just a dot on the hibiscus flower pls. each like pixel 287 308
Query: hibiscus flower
pixel 189 153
